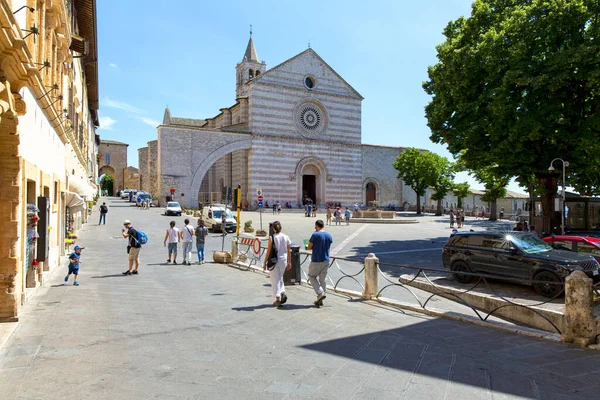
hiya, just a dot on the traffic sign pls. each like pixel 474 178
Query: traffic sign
pixel 259 191
pixel 260 204
pixel 260 198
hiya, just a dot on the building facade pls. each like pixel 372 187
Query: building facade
pixel 48 143
pixel 113 161
pixel 294 131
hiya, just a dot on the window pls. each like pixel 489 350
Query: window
pixel 107 159
pixel 309 82
pixel 562 245
pixel 587 248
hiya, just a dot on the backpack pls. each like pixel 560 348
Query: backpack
pixel 103 209
pixel 142 237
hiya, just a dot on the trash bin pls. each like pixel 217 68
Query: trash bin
pixel 294 275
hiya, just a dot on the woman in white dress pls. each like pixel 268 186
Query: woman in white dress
pixel 280 242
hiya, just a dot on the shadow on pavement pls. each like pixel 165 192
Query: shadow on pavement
pixel 252 308
pixel 107 276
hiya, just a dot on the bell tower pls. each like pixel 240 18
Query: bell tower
pixel 249 69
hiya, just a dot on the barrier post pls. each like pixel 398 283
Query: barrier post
pixel 234 250
pixel 580 323
pixel 371 277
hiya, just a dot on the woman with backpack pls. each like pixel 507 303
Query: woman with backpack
pixel 277 261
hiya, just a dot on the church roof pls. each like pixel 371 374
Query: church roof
pixel 188 121
pixel 251 54
pixel 103 141
pixel 311 51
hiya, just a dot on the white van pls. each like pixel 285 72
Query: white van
pixel 212 216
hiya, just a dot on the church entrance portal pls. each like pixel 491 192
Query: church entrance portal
pixel 309 187
pixel 371 193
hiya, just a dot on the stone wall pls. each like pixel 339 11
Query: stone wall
pixel 377 167
pixel 132 178
pixel 153 167
pixel 143 169
pixel 118 160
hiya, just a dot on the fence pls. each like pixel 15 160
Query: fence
pixel 419 292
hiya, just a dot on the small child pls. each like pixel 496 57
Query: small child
pixel 74 265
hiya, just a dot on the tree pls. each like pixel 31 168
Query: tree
pixel 517 85
pixel 461 190
pixel 495 187
pixel 444 182
pixel 107 183
pixel 418 170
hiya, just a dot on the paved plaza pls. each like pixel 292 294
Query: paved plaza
pixel 209 332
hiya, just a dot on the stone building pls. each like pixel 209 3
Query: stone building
pixel 48 144
pixel 113 161
pixel 294 131
pixel 132 178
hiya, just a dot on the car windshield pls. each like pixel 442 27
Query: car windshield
pixel 217 214
pixel 529 244
pixel 172 204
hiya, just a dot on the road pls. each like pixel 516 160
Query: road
pixel 209 332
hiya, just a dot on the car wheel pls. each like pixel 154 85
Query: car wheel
pixel 549 285
pixel 458 267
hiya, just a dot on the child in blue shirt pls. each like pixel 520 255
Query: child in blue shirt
pixel 74 265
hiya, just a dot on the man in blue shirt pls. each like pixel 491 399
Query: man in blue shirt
pixel 74 265
pixel 319 243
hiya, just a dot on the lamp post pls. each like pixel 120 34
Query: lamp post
pixel 551 168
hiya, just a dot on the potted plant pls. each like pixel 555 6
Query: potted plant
pixel 248 226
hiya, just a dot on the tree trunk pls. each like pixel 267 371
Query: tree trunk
pixel 549 180
pixel 493 213
pixel 459 202
pixel 418 203
pixel 439 208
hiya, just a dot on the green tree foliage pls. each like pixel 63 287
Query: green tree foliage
pixel 518 84
pixel 420 170
pixel 495 187
pixel 461 190
pixel 107 182
pixel 444 182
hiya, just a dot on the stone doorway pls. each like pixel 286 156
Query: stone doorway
pixel 371 193
pixel 309 187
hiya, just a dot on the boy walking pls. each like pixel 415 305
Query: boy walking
pixel 319 243
pixel 74 265
pixel 187 237
pixel 172 237
pixel 103 211
pixel 133 247
pixel 201 234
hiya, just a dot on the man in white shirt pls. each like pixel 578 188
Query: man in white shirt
pixel 187 237
pixel 172 237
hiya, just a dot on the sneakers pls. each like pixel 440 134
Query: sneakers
pixel 134 272
pixel 67 278
pixel 75 283
pixel 283 298
pixel 277 303
pixel 174 262
pixel 168 261
pixel 189 263
pixel 320 299
pixel 127 273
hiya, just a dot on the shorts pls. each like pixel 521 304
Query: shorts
pixel 172 247
pixel 347 218
pixel 74 269
pixel 134 253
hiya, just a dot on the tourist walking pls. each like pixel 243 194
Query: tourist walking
pixel 319 243
pixel 347 215
pixel 278 260
pixel 103 211
pixel 337 214
pixel 74 263
pixel 172 239
pixel 187 238
pixel 201 234
pixel 452 219
pixel 133 247
pixel 328 216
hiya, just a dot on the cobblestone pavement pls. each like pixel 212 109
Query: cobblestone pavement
pixel 209 332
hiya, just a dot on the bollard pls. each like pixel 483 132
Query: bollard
pixel 294 275
pixel 234 250
pixel 371 277
pixel 580 324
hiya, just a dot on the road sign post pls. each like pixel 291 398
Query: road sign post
pixel 259 196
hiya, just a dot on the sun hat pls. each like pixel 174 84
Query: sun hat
pixel 126 222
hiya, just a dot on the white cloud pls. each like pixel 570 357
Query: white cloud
pixel 107 102
pixel 148 121
pixel 106 123
pixel 113 65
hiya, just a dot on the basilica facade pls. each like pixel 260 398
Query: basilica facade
pixel 294 131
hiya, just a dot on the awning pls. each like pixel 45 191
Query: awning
pixel 81 187
pixel 74 202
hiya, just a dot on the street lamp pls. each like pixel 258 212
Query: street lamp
pixel 551 168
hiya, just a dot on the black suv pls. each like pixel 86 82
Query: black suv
pixel 518 255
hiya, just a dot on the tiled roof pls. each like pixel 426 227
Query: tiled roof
pixel 188 121
pixel 102 141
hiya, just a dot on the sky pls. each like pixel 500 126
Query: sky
pixel 182 54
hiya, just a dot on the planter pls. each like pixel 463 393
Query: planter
pixel 248 229
pixel 261 233
pixel 222 257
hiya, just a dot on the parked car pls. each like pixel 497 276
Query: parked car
pixel 141 197
pixel 579 244
pixel 125 194
pixel 213 218
pixel 518 255
pixel 173 208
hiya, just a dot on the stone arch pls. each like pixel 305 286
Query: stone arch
pixel 208 161
pixel 370 184
pixel 312 166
